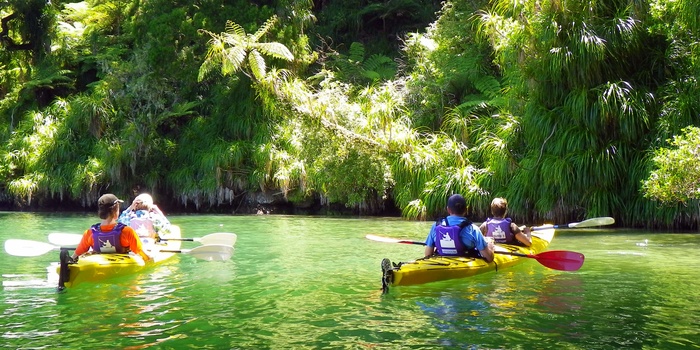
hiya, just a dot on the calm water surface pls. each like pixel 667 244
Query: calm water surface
pixel 312 283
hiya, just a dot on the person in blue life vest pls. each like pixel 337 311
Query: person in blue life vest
pixel 455 235
pixel 108 236
pixel 503 229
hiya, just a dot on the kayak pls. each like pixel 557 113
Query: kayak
pixel 100 267
pixel 440 268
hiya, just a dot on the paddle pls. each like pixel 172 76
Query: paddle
pixel 601 221
pixel 71 239
pixel 223 238
pixel 210 252
pixel 554 259
pixel 21 247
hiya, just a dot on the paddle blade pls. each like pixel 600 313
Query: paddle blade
pixel 66 240
pixel 593 222
pixel 560 259
pixel 222 238
pixel 391 240
pixel 21 247
pixel 212 252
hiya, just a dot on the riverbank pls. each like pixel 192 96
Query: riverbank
pixel 256 203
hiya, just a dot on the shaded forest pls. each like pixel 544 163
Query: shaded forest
pixel 569 110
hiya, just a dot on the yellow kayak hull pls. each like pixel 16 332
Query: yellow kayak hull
pixel 102 267
pixel 440 268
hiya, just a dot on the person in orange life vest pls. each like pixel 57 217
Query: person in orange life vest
pixel 455 235
pixel 109 236
pixel 502 229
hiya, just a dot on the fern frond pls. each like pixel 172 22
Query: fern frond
pixel 276 50
pixel 235 29
pixel 357 52
pixel 264 28
pixel 257 64
pixel 232 60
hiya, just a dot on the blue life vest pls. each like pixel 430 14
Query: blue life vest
pixel 107 242
pixel 499 229
pixel 447 240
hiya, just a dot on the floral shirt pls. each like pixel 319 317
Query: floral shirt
pixel 161 225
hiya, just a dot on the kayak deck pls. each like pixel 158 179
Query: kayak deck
pixel 101 267
pixel 440 268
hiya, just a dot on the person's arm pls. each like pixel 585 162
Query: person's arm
pixel 134 242
pixel 487 253
pixel 484 228
pixel 484 248
pixel 430 243
pixel 84 245
pixel 523 236
pixel 124 217
pixel 429 251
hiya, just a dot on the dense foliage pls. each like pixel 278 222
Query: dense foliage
pixel 569 109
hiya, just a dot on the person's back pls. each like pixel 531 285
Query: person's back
pixel 146 218
pixel 455 235
pixel 449 239
pixel 142 223
pixel 503 229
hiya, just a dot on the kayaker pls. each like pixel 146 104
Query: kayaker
pixel 145 218
pixel 503 229
pixel 455 235
pixel 108 236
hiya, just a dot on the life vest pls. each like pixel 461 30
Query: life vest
pixel 107 242
pixel 447 240
pixel 499 229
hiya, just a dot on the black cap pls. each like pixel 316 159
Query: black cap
pixel 108 200
pixel 457 204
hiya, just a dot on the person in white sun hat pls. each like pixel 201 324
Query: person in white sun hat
pixel 145 218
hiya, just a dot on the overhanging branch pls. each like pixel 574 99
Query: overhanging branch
pixel 5 39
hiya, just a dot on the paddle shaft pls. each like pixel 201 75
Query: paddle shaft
pixel 495 251
pixel 72 240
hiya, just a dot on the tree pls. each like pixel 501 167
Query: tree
pixel 676 174
pixel 27 27
pixel 235 51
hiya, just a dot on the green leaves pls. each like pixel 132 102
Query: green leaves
pixel 676 170
pixel 234 51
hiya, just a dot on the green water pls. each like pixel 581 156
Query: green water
pixel 313 283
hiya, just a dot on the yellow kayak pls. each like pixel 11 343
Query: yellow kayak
pixel 439 268
pixel 100 267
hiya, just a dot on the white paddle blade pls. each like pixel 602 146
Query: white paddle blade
pixel 21 247
pixel 222 238
pixel 593 222
pixel 382 239
pixel 212 252
pixel 66 240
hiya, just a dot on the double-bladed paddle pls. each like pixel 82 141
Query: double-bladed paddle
pixel 68 240
pixel 22 247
